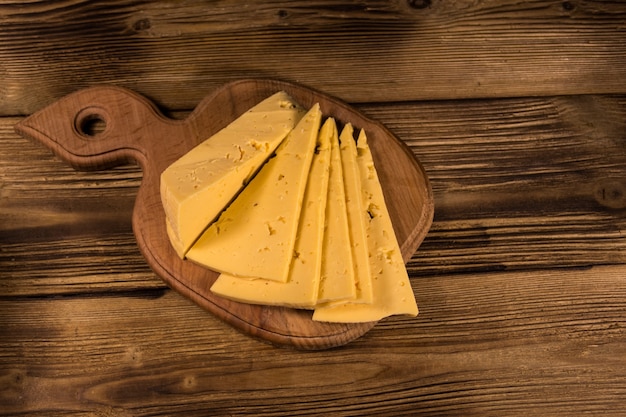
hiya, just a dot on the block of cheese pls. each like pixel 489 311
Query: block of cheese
pixel 391 288
pixel 337 275
pixel 300 290
pixel 197 187
pixel 255 235
pixel 357 215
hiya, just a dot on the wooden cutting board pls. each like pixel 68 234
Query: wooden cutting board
pixel 132 130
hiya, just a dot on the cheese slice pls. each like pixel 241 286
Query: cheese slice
pixel 255 235
pixel 197 187
pixel 357 215
pixel 300 290
pixel 391 288
pixel 337 276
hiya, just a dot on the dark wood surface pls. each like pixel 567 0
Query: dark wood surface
pixel 517 111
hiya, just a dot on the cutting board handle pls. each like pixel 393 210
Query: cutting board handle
pixel 100 127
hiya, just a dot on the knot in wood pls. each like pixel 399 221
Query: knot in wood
pixel 611 194
pixel 568 6
pixel 142 25
pixel 419 4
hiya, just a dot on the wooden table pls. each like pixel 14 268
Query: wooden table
pixel 517 110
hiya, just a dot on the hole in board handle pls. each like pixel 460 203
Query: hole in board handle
pixel 91 122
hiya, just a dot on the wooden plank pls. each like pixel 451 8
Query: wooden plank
pixel 61 229
pixel 373 51
pixel 551 342
pixel 518 183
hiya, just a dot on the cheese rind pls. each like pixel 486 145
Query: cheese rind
pixel 255 235
pixel 197 187
pixel 337 276
pixel 300 290
pixel 391 288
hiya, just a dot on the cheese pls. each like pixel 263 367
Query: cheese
pixel 391 288
pixel 337 277
pixel 357 216
pixel 300 290
pixel 255 235
pixel 197 187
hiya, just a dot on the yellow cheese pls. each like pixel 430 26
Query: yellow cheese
pixel 391 288
pixel 337 277
pixel 197 187
pixel 357 216
pixel 300 290
pixel 255 235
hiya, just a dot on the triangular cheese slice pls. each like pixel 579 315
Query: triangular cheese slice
pixel 337 276
pixel 392 292
pixel 357 215
pixel 300 290
pixel 197 187
pixel 255 235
